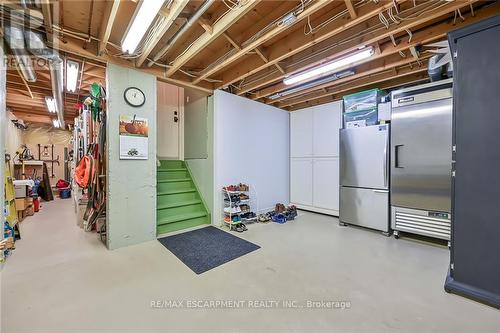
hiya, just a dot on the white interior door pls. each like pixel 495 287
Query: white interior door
pixel 301 187
pixel 168 121
pixel 301 133
pixel 326 183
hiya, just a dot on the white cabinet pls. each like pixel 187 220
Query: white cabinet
pixel 326 183
pixel 314 162
pixel 301 134
pixel 326 123
pixel 301 184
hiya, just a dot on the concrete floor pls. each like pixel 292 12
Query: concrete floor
pixel 61 279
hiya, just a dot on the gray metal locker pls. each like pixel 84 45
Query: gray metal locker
pixel 475 244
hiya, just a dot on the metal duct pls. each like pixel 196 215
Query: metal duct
pixel 203 8
pixel 15 40
pixel 56 66
pixel 37 46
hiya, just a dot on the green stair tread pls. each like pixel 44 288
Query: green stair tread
pixel 175 180
pixel 187 190
pixel 167 228
pixel 179 204
pixel 181 217
pixel 171 170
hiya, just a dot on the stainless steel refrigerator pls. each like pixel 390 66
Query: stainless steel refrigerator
pixel 364 177
pixel 421 148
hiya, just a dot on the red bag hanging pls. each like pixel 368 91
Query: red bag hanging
pixel 83 172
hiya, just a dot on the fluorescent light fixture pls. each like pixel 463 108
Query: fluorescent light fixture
pixel 143 18
pixel 311 84
pixel 56 123
pixel 71 75
pixel 330 67
pixel 51 104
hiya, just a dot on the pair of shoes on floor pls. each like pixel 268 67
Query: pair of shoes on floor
pixel 240 227
pixel 280 208
pixel 279 218
pixel 264 218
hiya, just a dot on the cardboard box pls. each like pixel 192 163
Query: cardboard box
pixel 21 204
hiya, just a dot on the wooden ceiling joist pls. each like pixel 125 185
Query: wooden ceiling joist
pixel 204 40
pixel 295 43
pixel 351 9
pixel 424 36
pixel 231 41
pixel 175 9
pixel 205 24
pixel 278 29
pixel 107 24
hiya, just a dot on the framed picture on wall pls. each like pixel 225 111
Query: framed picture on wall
pixel 134 133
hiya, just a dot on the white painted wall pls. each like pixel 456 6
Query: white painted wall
pixel 131 184
pixel 202 169
pixel 251 145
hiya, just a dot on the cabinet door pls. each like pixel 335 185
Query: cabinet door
pixel 327 121
pixel 326 183
pixel 301 133
pixel 301 187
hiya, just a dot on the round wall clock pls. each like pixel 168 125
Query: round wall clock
pixel 134 97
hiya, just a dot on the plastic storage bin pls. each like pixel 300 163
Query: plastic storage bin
pixel 361 118
pixel 365 100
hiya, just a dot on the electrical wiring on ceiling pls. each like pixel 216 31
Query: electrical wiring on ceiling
pixel 333 18
pixel 423 8
pixel 277 22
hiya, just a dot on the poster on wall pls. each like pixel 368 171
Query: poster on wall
pixel 133 138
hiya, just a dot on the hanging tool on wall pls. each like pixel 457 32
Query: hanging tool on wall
pixel 45 153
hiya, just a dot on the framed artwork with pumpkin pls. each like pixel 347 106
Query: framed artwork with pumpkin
pixel 134 132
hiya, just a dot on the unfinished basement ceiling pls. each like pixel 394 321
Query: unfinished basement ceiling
pixel 248 47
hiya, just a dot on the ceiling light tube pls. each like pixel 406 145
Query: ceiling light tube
pixel 56 123
pixel 143 17
pixel 72 68
pixel 330 67
pixel 51 104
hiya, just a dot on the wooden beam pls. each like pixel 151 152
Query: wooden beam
pixel 205 24
pixel 175 9
pixel 72 47
pixel 260 53
pixel 24 81
pixel 278 29
pixel 294 43
pixel 351 9
pixel 231 41
pixel 423 36
pixel 204 40
pixel 107 24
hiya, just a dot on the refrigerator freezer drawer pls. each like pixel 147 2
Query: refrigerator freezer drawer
pixel 365 207
pixel 422 222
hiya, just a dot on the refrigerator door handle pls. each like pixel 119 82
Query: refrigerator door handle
pixel 381 191
pixel 385 161
pixel 396 156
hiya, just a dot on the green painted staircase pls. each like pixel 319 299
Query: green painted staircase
pixel 179 204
